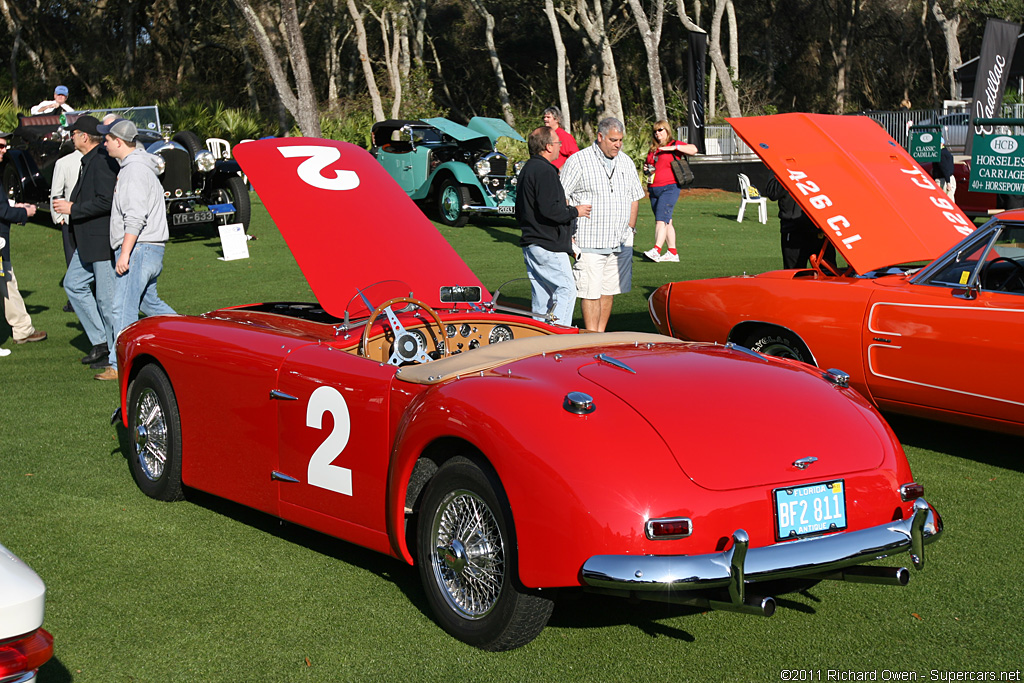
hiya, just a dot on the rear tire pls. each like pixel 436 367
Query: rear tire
pixel 466 553
pixel 155 435
pixel 779 343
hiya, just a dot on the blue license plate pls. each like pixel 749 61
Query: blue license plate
pixel 812 509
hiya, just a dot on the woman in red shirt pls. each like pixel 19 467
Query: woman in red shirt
pixel 661 185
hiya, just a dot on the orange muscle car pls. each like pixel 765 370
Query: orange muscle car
pixel 928 316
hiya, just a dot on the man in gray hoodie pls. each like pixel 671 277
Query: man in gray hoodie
pixel 138 232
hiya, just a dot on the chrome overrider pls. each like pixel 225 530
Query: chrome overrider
pixel 668 578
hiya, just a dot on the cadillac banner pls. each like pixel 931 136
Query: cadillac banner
pixel 997 49
pixel 698 54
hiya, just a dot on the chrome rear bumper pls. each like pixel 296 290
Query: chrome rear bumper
pixel 822 557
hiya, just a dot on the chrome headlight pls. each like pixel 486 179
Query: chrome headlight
pixel 482 167
pixel 500 195
pixel 205 161
pixel 161 164
pixel 519 166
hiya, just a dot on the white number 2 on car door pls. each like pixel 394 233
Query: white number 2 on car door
pixel 321 472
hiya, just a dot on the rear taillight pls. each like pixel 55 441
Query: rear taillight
pixel 911 491
pixel 668 529
pixel 27 653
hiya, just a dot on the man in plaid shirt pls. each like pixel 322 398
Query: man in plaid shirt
pixel 604 177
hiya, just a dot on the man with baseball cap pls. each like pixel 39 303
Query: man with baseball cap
pixel 56 105
pixel 138 232
pixel 92 263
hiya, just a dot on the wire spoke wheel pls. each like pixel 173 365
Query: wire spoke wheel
pixel 155 437
pixel 150 435
pixel 469 555
pixel 467 558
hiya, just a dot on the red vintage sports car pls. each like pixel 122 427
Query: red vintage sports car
pixel 505 456
pixel 930 341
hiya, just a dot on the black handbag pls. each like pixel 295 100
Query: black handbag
pixel 681 170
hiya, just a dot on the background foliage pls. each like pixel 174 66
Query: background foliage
pixel 173 52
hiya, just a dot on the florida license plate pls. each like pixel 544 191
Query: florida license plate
pixel 507 209
pixel 812 509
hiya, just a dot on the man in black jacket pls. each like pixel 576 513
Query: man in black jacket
pixel 92 261
pixel 14 306
pixel 546 221
pixel 801 238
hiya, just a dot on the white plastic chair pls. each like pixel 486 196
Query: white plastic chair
pixel 750 195
pixel 220 147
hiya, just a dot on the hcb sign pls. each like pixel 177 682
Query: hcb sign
pixel 998 164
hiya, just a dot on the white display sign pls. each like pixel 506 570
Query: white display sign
pixel 233 241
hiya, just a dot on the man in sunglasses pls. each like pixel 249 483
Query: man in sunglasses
pixel 14 306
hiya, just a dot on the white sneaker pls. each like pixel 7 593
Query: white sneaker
pixel 653 254
pixel 669 257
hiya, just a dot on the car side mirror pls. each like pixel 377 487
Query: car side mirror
pixel 966 293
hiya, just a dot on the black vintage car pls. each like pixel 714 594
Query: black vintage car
pixel 198 188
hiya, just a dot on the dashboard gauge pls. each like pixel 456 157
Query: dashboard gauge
pixel 420 337
pixel 474 344
pixel 499 334
pixel 465 330
pixel 450 330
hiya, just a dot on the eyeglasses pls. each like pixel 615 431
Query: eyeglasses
pixel 556 142
pixel 659 130
pixel 4 145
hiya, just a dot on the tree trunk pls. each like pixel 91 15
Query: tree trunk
pixel 492 51
pixel 734 41
pixel 732 98
pixel 556 35
pixel 300 103
pixel 650 34
pixel 847 14
pixel 364 58
pixel 950 26
pixel 594 34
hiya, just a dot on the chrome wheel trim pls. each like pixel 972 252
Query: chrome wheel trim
pixel 467 554
pixel 450 203
pixel 149 433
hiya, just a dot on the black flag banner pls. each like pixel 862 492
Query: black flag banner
pixel 997 49
pixel 698 55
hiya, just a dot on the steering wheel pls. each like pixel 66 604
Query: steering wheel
pixel 408 347
pixel 1018 273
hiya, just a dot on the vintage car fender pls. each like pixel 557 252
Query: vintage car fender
pixel 461 172
pixel 559 522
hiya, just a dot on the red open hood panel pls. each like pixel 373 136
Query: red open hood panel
pixel 871 199
pixel 347 223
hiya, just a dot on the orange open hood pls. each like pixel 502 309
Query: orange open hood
pixel 866 193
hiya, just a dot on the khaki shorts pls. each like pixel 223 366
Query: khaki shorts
pixel 600 275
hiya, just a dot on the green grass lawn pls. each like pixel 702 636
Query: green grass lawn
pixel 140 590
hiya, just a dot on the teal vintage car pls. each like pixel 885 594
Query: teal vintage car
pixel 455 168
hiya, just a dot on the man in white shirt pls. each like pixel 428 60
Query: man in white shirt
pixel 58 104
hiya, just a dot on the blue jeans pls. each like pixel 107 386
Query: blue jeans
pixel 663 202
pixel 96 313
pixel 551 283
pixel 136 289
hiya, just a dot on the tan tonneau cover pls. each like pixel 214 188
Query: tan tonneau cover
pixel 488 357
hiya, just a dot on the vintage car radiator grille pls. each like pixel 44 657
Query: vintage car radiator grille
pixel 499 165
pixel 178 174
